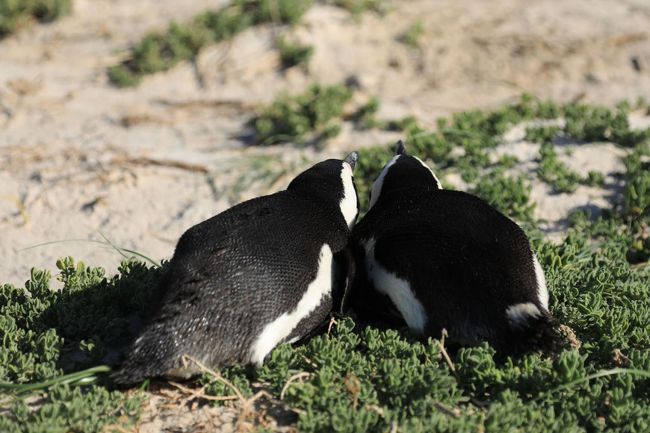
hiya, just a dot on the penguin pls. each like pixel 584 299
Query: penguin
pixel 263 272
pixel 440 259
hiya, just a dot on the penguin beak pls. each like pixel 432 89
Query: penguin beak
pixel 400 148
pixel 352 159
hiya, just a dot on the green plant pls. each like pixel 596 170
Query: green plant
pixel 554 172
pixel 474 133
pixel 413 34
pixel 357 7
pixel 365 117
pixel 294 54
pixel 510 195
pixel 314 115
pixel 589 123
pixel 636 196
pixel 14 13
pixel 542 134
pixel 557 174
pixel 463 144
pixel 45 333
pixel 161 51
pixel 64 409
pixel 636 203
pixel 277 11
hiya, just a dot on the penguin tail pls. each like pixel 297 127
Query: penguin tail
pixel 124 378
pixel 145 358
pixel 131 371
pixel 532 328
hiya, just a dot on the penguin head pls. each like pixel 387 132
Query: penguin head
pixel 332 183
pixel 403 171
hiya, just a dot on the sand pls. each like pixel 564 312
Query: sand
pixel 80 159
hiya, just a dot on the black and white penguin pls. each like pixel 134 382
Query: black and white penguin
pixel 446 259
pixel 259 274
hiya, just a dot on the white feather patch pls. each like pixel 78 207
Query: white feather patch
pixel 518 314
pixel 276 331
pixel 542 290
pixel 348 203
pixel 398 290
pixel 377 185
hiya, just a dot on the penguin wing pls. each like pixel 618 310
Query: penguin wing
pixel 421 232
pixel 344 277
pixel 432 257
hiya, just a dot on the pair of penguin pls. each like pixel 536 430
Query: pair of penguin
pixel 272 269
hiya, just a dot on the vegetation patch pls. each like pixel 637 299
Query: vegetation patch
pixel 317 115
pixel 162 51
pixel 463 143
pixel 357 7
pixel 294 54
pixel 413 34
pixel 358 378
pixel 87 409
pixel 542 134
pixel 588 123
pixel 557 174
pixel 636 202
pixel 45 333
pixel 307 118
pixel 16 13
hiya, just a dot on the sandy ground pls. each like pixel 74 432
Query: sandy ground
pixel 80 159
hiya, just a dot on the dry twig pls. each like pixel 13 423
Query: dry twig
pixel 454 412
pixel 441 344
pixel 246 405
pixel 161 163
pixel 302 374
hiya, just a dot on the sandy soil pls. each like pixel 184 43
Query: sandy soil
pixel 80 158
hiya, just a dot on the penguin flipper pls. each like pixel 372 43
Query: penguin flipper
pixel 344 277
pixel 362 299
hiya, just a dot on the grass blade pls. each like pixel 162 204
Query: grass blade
pixel 601 373
pixel 106 241
pixel 78 377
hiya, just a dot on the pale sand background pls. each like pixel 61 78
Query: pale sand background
pixel 76 153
